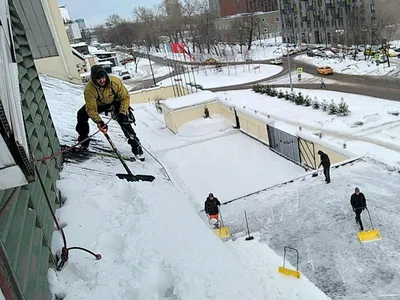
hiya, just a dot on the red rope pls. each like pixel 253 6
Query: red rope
pixel 55 155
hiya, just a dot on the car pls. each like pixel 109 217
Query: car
pixel 325 70
pixel 276 61
pixel 124 75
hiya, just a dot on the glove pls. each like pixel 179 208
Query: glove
pixel 123 118
pixel 102 126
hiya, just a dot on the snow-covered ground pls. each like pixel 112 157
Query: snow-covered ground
pixel 350 66
pixel 143 70
pixel 153 243
pixel 318 221
pixel 211 77
pixel 261 50
pixel 371 120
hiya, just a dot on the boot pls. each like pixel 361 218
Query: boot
pixel 85 144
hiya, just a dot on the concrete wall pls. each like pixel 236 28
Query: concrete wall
pixel 62 66
pixel 255 126
pixel 157 93
pixel 176 118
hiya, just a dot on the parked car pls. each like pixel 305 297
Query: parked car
pixel 276 61
pixel 210 61
pixel 325 70
pixel 124 75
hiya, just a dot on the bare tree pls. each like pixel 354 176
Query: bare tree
pixel 114 20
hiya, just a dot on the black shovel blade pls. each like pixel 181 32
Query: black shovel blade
pixel 315 174
pixel 137 177
pixel 249 238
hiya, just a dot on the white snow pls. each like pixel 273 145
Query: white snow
pixel 260 50
pixel 204 126
pixel 154 244
pixel 143 70
pixel 350 66
pixel 210 77
pixel 200 97
pixel 2 297
pixel 246 164
pixel 371 113
pixel 318 221
pixel 265 262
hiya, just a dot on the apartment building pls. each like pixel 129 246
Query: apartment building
pixel 234 7
pixel 328 21
pixel 266 25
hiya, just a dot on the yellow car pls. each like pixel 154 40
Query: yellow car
pixel 325 70
pixel 210 61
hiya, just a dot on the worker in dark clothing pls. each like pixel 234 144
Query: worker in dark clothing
pixel 211 207
pixel 326 163
pixel 358 203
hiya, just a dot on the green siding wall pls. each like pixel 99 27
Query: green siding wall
pixel 26 227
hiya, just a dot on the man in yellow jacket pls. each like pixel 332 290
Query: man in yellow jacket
pixel 106 93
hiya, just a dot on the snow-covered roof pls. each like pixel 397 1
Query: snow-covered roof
pixel 78 44
pixel 190 100
pixel 77 54
pixel 107 62
pixel 256 115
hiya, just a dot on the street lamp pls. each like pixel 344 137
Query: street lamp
pixel 151 67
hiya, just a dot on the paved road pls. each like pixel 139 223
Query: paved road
pixel 374 86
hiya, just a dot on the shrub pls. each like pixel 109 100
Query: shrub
pixel 292 97
pixel 332 108
pixel 316 104
pixel 299 99
pixel 343 108
pixel 307 101
pixel 273 92
pixel 268 89
pixel 324 105
pixel 287 95
pixel 257 88
pixel 281 94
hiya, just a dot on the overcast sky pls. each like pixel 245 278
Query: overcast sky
pixel 96 11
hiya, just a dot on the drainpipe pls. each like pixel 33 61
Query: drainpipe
pixel 56 38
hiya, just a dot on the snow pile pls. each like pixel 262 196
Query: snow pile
pixel 211 77
pixel 204 126
pixel 153 244
pixel 349 66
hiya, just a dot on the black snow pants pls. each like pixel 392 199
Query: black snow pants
pixel 327 174
pixel 358 217
pixel 83 129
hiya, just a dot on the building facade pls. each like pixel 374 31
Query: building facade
pixel 327 21
pixel 237 28
pixel 26 224
pixel 233 7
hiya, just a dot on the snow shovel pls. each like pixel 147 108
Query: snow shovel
pixel 129 176
pixel 286 271
pixel 222 232
pixel 371 235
